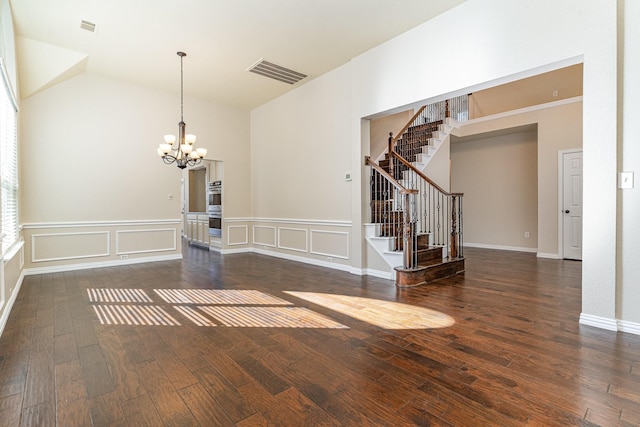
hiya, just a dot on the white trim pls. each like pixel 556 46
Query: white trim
pixel 305 260
pixel 388 275
pixel 500 247
pixel 246 249
pixel 99 223
pixel 175 241
pixel 102 264
pixel 629 327
pixel 334 223
pixel 599 322
pixel 9 304
pixel 548 255
pixel 13 250
pixel 33 246
pixel 246 235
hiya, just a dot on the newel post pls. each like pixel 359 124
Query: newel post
pixel 454 228
pixel 408 232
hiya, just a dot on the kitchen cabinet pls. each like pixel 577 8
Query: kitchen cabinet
pixel 197 229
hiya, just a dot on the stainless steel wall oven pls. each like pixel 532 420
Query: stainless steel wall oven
pixel 214 208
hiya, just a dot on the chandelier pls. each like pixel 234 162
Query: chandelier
pixel 181 151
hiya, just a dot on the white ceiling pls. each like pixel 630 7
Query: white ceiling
pixel 137 40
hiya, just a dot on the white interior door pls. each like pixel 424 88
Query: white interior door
pixel 572 205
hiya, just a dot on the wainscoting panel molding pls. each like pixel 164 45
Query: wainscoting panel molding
pixel 237 235
pixel 146 241
pixel 330 243
pixel 264 235
pixel 293 239
pixel 66 246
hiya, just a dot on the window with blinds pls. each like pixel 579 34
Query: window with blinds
pixel 8 163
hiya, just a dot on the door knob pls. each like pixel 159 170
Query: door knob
pixel 567 211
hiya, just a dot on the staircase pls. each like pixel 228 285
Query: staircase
pixel 415 226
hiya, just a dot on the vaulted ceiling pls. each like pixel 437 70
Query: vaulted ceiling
pixel 137 40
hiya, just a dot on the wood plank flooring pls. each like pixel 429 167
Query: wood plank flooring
pixel 515 354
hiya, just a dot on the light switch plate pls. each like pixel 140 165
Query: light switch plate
pixel 625 180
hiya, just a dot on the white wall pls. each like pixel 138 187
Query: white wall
pixel 629 200
pixel 504 40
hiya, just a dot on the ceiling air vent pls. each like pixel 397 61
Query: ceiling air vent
pixel 276 72
pixel 89 26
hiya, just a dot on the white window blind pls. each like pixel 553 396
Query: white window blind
pixel 8 163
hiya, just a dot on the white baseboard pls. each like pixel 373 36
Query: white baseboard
pixel 9 305
pixel 88 265
pixel 500 247
pixel 342 267
pixel 599 322
pixel 388 275
pixel 629 327
pixel 333 265
pixel 548 255
pixel 610 324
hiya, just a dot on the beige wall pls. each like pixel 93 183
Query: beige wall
pixel 559 128
pixel 299 161
pixel 93 180
pixel 552 86
pixel 498 176
pixel 381 127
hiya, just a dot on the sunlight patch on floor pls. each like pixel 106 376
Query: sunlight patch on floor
pixel 385 314
pixel 218 296
pixel 203 307
pixel 252 308
pixel 117 314
pixel 271 317
pixel 117 295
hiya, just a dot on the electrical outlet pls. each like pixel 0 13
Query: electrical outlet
pixel 526 234
pixel 329 259
pixel 125 256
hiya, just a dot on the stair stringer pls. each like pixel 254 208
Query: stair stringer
pixel 383 247
pixel 434 144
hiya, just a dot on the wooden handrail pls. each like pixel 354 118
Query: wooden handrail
pixel 392 143
pixel 396 184
pixel 423 176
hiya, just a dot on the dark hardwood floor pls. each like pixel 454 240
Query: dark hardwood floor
pixel 515 355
